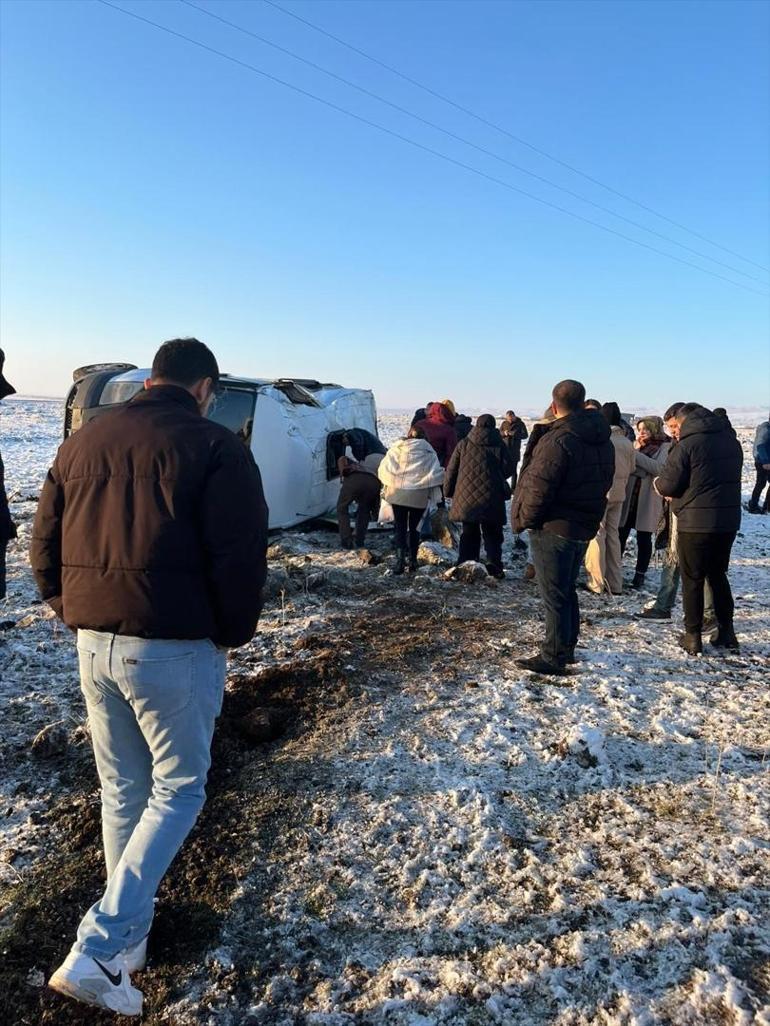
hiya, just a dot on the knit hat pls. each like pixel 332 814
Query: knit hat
pixel 449 405
pixel 6 388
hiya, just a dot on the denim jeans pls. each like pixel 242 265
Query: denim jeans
pixel 151 707
pixel 669 587
pixel 557 563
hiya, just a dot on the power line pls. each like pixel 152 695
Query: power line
pixel 466 142
pixel 418 145
pixel 516 138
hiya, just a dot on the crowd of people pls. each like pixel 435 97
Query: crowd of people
pixel 587 481
pixel 150 541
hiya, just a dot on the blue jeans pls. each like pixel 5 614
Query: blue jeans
pixel 669 587
pixel 557 563
pixel 151 707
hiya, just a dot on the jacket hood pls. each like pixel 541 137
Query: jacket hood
pixel 440 413
pixel 590 426
pixel 703 421
pixel 483 434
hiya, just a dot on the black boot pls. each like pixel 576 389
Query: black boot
pixel 400 561
pixel 413 547
pixel 638 582
pixel 725 637
pixel 654 614
pixel 691 642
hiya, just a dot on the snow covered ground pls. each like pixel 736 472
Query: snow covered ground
pixel 435 837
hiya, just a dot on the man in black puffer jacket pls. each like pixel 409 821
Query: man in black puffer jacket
pixel 150 539
pixel 702 477
pixel 476 480
pixel 561 497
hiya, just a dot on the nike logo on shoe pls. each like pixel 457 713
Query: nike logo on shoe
pixel 114 978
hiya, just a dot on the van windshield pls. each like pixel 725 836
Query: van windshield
pixel 115 392
pixel 234 409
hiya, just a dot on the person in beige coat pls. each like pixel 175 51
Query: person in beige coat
pixel 643 506
pixel 603 560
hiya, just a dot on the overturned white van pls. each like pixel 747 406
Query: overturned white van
pixel 296 429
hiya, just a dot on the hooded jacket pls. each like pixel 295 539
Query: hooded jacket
pixel 152 523
pixel 476 476
pixel 438 426
pixel 703 475
pixel 563 488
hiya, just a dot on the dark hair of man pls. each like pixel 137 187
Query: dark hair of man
pixel 592 404
pixel 685 411
pixel 510 413
pixel 569 395
pixel 611 413
pixel 416 432
pixel 485 420
pixel 183 361
pixel 672 411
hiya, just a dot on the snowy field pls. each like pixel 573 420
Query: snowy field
pixel 403 828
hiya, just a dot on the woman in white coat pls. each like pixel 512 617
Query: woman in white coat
pixel 411 476
pixel 644 506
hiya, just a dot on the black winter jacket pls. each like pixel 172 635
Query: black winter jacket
pixel 7 527
pixel 476 477
pixel 703 475
pixel 563 488
pixel 152 523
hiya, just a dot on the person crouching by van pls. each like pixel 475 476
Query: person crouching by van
pixel 361 485
pixel 477 480
pixel 411 476
pixel 150 540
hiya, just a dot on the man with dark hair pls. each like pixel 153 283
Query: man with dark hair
pixel 560 498
pixel 150 540
pixel 513 431
pixel 702 477
pixel 667 539
pixel 592 404
pixel 7 526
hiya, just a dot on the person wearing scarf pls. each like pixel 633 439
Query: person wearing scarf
pixel 643 504
pixel 412 477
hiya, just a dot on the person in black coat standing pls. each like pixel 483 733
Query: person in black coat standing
pixel 560 498
pixel 7 526
pixel 476 481
pixel 513 431
pixel 702 477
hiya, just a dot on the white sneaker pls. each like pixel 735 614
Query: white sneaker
pixel 136 957
pixel 95 981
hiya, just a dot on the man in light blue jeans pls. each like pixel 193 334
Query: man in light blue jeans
pixel 150 540
pixel 151 706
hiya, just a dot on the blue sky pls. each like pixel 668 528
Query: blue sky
pixel 151 189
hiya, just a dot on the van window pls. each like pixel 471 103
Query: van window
pixel 115 392
pixel 234 409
